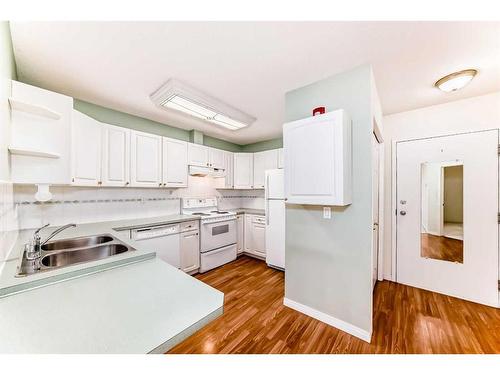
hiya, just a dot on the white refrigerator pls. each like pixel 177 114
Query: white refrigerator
pixel 275 218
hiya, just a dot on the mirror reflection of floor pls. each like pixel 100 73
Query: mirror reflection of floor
pixel 442 248
pixel 454 230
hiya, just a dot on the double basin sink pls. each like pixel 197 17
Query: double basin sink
pixel 67 252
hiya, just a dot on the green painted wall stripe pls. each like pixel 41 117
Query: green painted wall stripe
pixel 270 144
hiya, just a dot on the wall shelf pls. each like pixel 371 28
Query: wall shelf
pixel 34 109
pixel 33 152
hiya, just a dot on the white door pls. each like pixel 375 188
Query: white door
pixel 190 251
pixel 248 237
pixel 466 269
pixel 263 161
pixel 240 228
pixel 216 158
pixel 145 159
pixel 174 163
pixel 375 207
pixel 86 150
pixel 115 156
pixel 198 155
pixel 243 171
pixel 259 236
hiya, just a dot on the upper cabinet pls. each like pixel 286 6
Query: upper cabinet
pixel 175 163
pixel 243 171
pixel 40 143
pixel 216 158
pixel 281 160
pixel 262 161
pixel 86 134
pixel 198 155
pixel 318 160
pixel 229 179
pixel 145 159
pixel 115 167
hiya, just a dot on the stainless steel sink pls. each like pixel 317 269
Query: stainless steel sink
pixel 72 243
pixel 66 252
pixel 66 258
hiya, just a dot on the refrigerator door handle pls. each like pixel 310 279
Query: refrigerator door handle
pixel 267 198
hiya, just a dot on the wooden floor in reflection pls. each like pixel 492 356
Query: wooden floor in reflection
pixel 442 248
pixel 406 320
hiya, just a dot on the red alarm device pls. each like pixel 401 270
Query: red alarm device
pixel 318 111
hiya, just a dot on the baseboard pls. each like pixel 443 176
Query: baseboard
pixel 328 319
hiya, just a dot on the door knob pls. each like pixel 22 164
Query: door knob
pixel 402 213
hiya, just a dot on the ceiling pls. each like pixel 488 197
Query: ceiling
pixel 251 65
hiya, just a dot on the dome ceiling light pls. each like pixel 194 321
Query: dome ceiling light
pixel 455 81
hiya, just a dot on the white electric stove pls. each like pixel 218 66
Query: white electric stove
pixel 217 232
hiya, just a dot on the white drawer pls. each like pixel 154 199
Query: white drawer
pixel 190 225
pixel 259 219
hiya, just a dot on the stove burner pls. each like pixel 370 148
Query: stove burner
pixel 220 212
pixel 201 213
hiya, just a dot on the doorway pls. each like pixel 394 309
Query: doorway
pixel 446 215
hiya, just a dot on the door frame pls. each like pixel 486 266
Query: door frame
pixel 381 157
pixel 394 193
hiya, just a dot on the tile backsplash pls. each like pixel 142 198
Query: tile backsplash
pixel 92 204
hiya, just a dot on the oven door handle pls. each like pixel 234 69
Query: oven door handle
pixel 217 222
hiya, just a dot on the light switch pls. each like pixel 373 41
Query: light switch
pixel 327 213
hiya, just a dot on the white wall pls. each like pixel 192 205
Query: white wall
pixel 461 116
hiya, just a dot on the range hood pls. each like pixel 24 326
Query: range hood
pixel 199 171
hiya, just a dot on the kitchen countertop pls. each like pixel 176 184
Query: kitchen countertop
pixel 251 211
pixel 139 308
pixel 128 303
pixel 10 284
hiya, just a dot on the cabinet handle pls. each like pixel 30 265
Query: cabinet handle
pixel 127 183
pixel 99 182
pixel 159 184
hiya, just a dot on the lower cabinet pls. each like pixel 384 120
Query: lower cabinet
pixel 190 251
pixel 240 235
pixel 255 235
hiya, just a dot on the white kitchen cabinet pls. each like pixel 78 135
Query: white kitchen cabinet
pixel 247 237
pixel 318 160
pixel 40 136
pixel 229 179
pixel 198 155
pixel 262 161
pixel 243 171
pixel 86 134
pixel 145 159
pixel 240 220
pixel 259 235
pixel 115 166
pixel 281 160
pixel 190 251
pixel 216 158
pixel 174 163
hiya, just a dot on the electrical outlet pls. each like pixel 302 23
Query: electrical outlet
pixel 327 213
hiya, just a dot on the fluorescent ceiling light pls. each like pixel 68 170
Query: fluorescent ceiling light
pixel 180 97
pixel 455 81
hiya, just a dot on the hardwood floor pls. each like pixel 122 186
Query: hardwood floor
pixel 442 248
pixel 406 320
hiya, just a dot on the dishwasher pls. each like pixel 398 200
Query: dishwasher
pixel 163 239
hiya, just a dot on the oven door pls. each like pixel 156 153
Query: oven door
pixel 216 235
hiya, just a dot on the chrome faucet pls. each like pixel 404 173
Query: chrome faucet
pixel 35 248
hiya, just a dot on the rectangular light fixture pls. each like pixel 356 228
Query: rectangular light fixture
pixel 181 97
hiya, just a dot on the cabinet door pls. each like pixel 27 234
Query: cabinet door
pixel 175 163
pixel 259 238
pixel 115 156
pixel 243 171
pixel 190 251
pixel 216 158
pixel 319 174
pixel 281 159
pixel 240 228
pixel 86 150
pixel 262 161
pixel 248 230
pixel 145 159
pixel 198 155
pixel 229 179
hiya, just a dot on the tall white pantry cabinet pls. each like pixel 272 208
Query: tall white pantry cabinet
pixel 318 160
